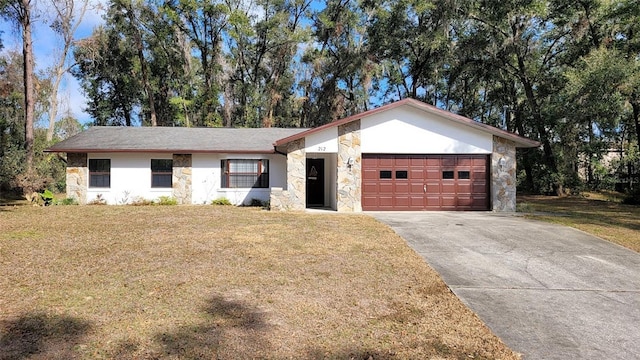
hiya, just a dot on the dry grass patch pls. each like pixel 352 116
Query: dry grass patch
pixel 598 214
pixel 222 282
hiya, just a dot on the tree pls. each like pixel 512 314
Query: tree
pixel 126 17
pixel 259 64
pixel 67 18
pixel 20 13
pixel 413 40
pixel 203 22
pixel 105 67
pixel 342 71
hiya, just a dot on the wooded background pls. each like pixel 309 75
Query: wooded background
pixel 564 72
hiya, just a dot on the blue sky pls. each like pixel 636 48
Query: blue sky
pixel 45 44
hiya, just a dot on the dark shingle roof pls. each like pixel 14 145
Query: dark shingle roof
pixel 174 140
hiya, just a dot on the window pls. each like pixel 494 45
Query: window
pixel 447 174
pixel 100 173
pixel 241 173
pixel 464 175
pixel 161 173
pixel 402 174
pixel 385 174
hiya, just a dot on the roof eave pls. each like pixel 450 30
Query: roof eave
pixel 170 151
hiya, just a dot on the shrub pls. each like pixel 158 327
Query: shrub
pixel 99 200
pixel 167 200
pixel 30 182
pixel 47 197
pixel 221 201
pixel 140 201
pixel 67 201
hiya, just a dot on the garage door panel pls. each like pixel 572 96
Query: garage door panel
pixel 401 188
pixel 480 161
pixel 432 200
pixel 479 188
pixel 448 188
pixel 370 174
pixel 369 188
pixel 425 182
pixel 416 188
pixel 433 174
pixel 416 202
pixel 448 160
pixel 402 161
pixel 385 187
pixel 464 188
pixel 416 173
pixel 386 201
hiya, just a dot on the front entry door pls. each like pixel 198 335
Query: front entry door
pixel 315 182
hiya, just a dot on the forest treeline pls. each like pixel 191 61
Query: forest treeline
pixel 563 72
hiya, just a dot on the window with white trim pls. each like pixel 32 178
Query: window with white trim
pixel 161 173
pixel 245 173
pixel 99 173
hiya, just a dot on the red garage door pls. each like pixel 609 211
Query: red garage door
pixel 425 182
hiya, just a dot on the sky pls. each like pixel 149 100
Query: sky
pixel 45 43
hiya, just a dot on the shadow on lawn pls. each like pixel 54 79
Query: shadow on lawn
pixel 38 334
pixel 232 330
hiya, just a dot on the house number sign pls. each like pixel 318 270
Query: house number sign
pixel 322 148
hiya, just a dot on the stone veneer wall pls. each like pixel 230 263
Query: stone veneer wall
pixel 503 175
pixel 349 176
pixel 294 197
pixel 77 177
pixel 182 171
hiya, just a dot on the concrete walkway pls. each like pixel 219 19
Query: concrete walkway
pixel 548 291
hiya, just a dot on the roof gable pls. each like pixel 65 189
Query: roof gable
pixel 519 140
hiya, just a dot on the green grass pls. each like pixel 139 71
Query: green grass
pixel 196 282
pixel 599 214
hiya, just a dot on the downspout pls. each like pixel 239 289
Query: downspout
pixel 275 150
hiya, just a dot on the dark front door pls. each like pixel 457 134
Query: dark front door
pixel 315 182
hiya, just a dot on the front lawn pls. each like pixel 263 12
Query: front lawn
pixel 599 214
pixel 222 282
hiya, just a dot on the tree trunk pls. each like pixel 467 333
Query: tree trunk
pixel 537 117
pixel 526 156
pixel 636 121
pixel 29 93
pixel 53 101
pixel 143 68
pixel 69 20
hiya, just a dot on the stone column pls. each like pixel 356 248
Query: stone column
pixel 503 175
pixel 181 181
pixel 349 168
pixel 294 197
pixel 77 177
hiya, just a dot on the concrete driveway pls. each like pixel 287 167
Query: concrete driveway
pixel 548 291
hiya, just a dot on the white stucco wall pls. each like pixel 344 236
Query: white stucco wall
pixel 406 130
pixel 131 178
pixel 325 141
